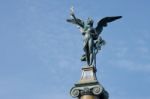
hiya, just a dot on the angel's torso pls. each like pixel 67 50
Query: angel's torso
pixel 86 32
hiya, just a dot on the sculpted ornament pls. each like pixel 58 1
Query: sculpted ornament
pixel 92 41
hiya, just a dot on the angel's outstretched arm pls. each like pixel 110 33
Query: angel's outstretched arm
pixel 73 15
pixel 75 20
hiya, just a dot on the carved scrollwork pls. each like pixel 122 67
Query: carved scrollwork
pixel 97 90
pixel 74 92
pixel 85 90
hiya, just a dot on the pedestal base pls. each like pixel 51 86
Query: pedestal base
pixel 88 75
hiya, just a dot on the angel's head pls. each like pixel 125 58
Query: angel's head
pixel 90 21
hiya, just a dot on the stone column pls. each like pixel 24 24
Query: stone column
pixel 88 87
pixel 88 97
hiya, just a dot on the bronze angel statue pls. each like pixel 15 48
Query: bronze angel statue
pixel 92 41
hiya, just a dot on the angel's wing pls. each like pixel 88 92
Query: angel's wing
pixel 76 21
pixel 103 23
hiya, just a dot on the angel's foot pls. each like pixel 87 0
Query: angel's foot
pixel 83 57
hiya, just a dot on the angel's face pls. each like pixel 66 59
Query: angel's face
pixel 90 22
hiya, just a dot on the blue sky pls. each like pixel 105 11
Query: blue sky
pixel 40 52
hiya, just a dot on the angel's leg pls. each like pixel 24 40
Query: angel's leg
pixel 86 50
pixel 91 53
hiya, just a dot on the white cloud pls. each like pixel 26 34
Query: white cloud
pixel 143 50
pixel 52 96
pixel 121 51
pixel 131 65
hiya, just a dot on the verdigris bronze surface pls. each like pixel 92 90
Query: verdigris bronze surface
pixel 92 41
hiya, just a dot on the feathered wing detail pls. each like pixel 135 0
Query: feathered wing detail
pixel 76 21
pixel 103 23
